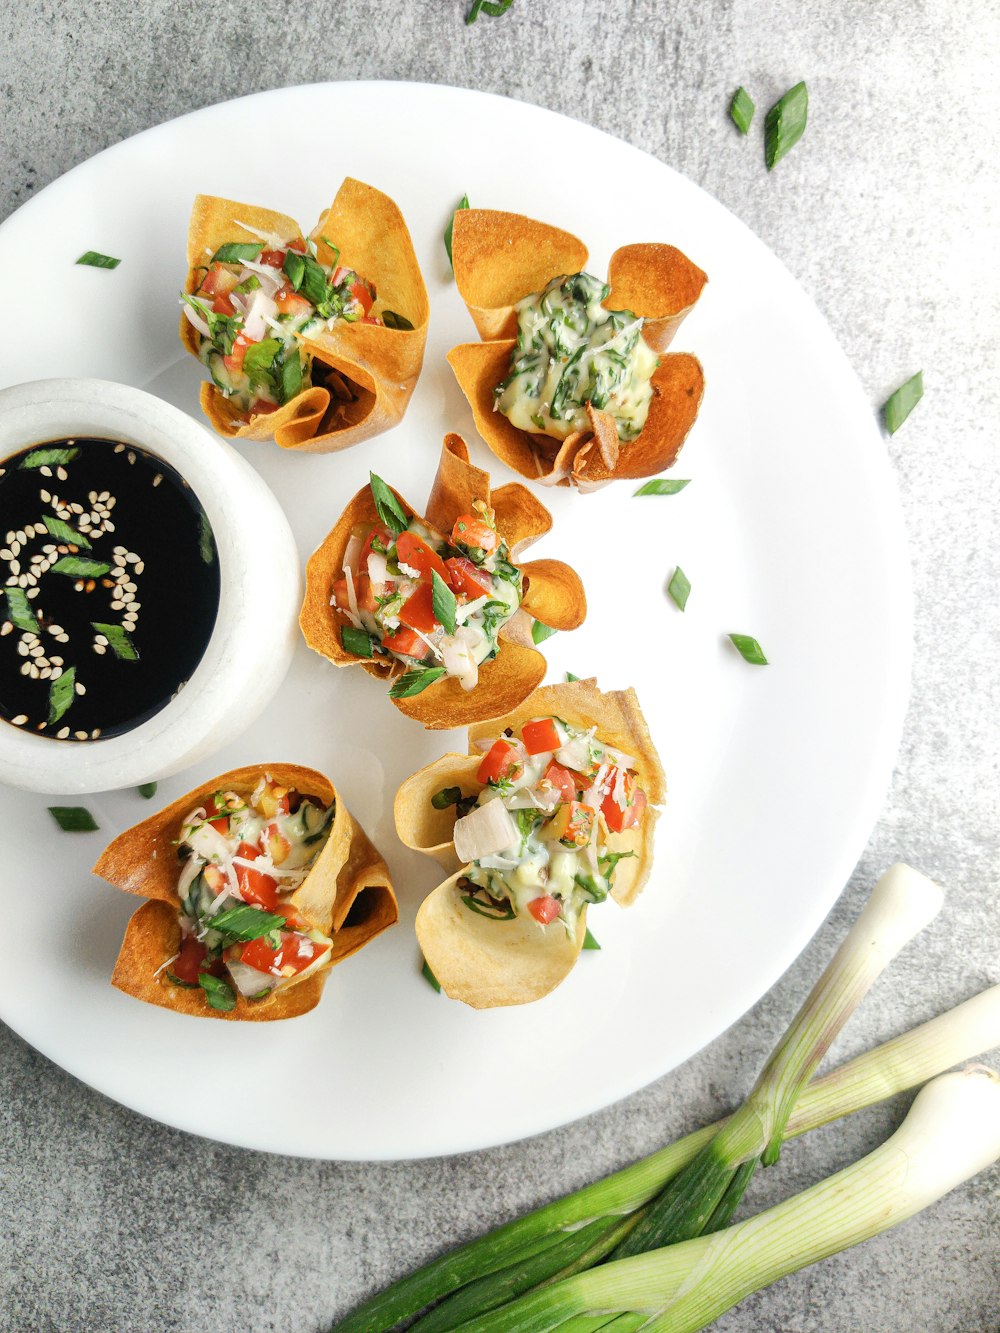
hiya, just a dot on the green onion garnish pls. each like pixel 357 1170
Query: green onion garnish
pixel 446 797
pixel 785 124
pixel 77 567
pixel 118 640
pixel 19 611
pixel 94 259
pixel 540 632
pixel 679 588
pixel 429 976
pixel 219 994
pixel 415 682
pixel 900 404
pixel 390 511
pixel 462 203
pixel 234 252
pixel 393 321
pixel 63 532
pixel 356 641
pixel 443 602
pixel 62 692
pixel 494 8
pixel 589 942
pixel 49 457
pixel 147 791
pixel 244 923
pixel 750 650
pixel 570 677
pixel 74 818
pixel 663 486
pixel 741 109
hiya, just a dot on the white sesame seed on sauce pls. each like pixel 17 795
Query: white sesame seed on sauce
pixel 108 527
pixel 80 689
pixel 62 474
pixel 119 448
pixel 131 456
pixel 62 638
pixel 44 673
pixel 140 566
pixel 33 592
pixel 6 627
pixel 45 471
pixel 93 736
pixel 62 733
pixel 132 558
pixel 112 502
pixel 56 672
pixel 15 566
pixel 6 554
pixel 78 585
pixel 26 669
pixel 101 639
pixel 33 671
pixel 81 735
pixel 117 605
pixel 20 720
pixel 21 537
pixel 22 648
pixel 99 649
pixel 158 478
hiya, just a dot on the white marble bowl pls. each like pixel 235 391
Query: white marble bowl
pixel 248 654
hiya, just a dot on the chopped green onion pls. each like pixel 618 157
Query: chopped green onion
pixel 234 252
pixel 900 404
pixel 443 601
pixel 147 791
pixel 77 567
pixel 19 611
pixel 749 649
pixel 785 124
pixel 429 976
pixel 119 641
pixel 679 588
pixel 63 532
pixel 415 682
pixel 663 486
pixel 393 321
pixel 291 375
pixel 494 8
pixel 570 677
pixel 49 457
pixel 390 511
pixel 294 267
pixel 219 994
pixel 94 259
pixel 540 632
pixel 356 641
pixel 741 109
pixel 62 692
pixel 462 203
pixel 589 942
pixel 446 797
pixel 244 923
pixel 74 818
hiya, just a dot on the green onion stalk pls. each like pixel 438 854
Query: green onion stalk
pixel 584 1226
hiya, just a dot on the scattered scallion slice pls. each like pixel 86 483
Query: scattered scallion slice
pixel 49 457
pixel 443 601
pixel 447 796
pixel 570 677
pixel 62 692
pixel 63 532
pixel 74 818
pixel 663 486
pixel 494 8
pixel 415 682
pixel 219 994
pixel 77 567
pixel 749 649
pixel 589 942
pixel 462 203
pixel 147 791
pixel 244 923
pixel 356 641
pixel 540 632
pixel 94 259
pixel 741 109
pixel 785 124
pixel 234 252
pixel 393 321
pixel 390 511
pixel 118 639
pixel 679 588
pixel 900 404
pixel 429 976
pixel 19 611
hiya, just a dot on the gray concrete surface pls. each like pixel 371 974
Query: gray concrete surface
pixel 887 213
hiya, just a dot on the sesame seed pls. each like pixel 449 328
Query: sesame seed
pixel 80 689
pixel 9 538
pixel 56 672
pixel 49 548
pixel 45 471
pixel 136 606
pixel 121 550
pixel 78 585
pixel 158 478
pixel 32 579
pixel 101 639
pixel 15 566
pixel 108 527
pixel 62 638
pixel 35 650
pixel 119 448
pixel 55 629
pixel 26 669
pixel 112 502
pixel 20 537
pixel 20 720
pixel 117 605
pixel 44 673
pixel 132 558
pixel 80 735
pixel 22 648
pixel 62 474
pixel 62 734
pixel 33 592
pixel 45 495
pixel 140 567
pixel 33 671
pixel 6 627
pixel 22 580
pixel 131 456
pixel 99 650
pixel 6 554
pixel 93 736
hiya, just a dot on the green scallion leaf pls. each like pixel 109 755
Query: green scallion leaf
pixel 147 791
pixel 540 632
pixel 900 404
pixel 494 8
pixel 589 942
pixel 415 682
pixel 679 588
pixel 462 203
pixel 749 649
pixel 495 911
pixel 118 640
pixel 429 976
pixel 94 259
pixel 294 267
pixel 63 532
pixel 741 109
pixel 206 538
pixel 390 511
pixel 443 602
pixel 393 321
pixel 244 923
pixel 785 124
pixel 78 567
pixel 663 486
pixel 74 818
pixel 234 252
pixel 219 994
pixel 570 677
pixel 446 797
pixel 62 692
pixel 356 641
pixel 54 457
pixel 291 375
pixel 19 611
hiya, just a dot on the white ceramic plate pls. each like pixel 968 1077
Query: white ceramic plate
pixel 790 531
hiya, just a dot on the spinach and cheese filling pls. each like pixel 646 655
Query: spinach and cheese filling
pixel 242 859
pixel 536 839
pixel 255 303
pixel 571 351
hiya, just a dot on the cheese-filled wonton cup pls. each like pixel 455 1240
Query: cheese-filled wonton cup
pixel 489 961
pixel 346 895
pixel 363 373
pixel 500 258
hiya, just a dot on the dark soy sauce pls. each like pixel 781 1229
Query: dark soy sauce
pixel 109 587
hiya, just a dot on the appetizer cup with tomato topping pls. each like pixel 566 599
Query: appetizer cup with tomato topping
pixel 259 882
pixel 314 341
pixel 571 385
pixel 550 812
pixel 441 606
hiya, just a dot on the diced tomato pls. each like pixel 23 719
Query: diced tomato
pixel 221 825
pixel 418 609
pixel 413 551
pixel 289 302
pixel 540 736
pixel 464 576
pixel 218 281
pixel 365 594
pixel 504 760
pixel 261 407
pixel 371 319
pixel 273 257
pixel 298 245
pixel 473 532
pixel 361 294
pixel 222 305
pixel 407 642
pixel 379 533
pixel 339 274
pixel 187 965
pixel 340 593
pixel 275 844
pixel 234 361
pixel 274 800
pixel 254 885
pixel 617 819
pixel 215 879
pixel 293 955
pixel 563 779
pixel 544 909
pixel 572 824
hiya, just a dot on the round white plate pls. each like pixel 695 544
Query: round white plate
pixel 790 531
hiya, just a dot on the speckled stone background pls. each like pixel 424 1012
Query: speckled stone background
pixel 887 213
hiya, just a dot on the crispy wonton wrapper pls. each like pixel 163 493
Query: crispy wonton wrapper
pixel 347 894
pixel 552 593
pixel 363 374
pixel 488 963
pixel 502 257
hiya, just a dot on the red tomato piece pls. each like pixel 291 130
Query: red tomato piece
pixel 217 281
pixel 361 294
pixel 473 532
pixel 379 533
pixel 273 257
pixel 274 842
pixel 418 609
pixel 298 245
pixel 289 302
pixel 293 955
pixel 504 760
pixel 187 965
pixel 364 593
pixel 540 736
pixel 573 824
pixel 464 576
pixel 544 909
pixel 234 361
pixel 618 819
pixel 414 551
pixel 563 779
pixel 221 824
pixel 222 305
pixel 407 642
pixel 255 887
pixel 261 407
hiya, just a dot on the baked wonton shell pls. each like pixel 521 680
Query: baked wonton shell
pixel 502 257
pixel 370 370
pixel 550 587
pixel 347 894
pixel 488 963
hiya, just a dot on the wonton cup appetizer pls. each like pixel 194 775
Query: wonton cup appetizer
pixel 259 881
pixel 550 811
pixel 440 605
pixel 571 385
pixel 315 342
